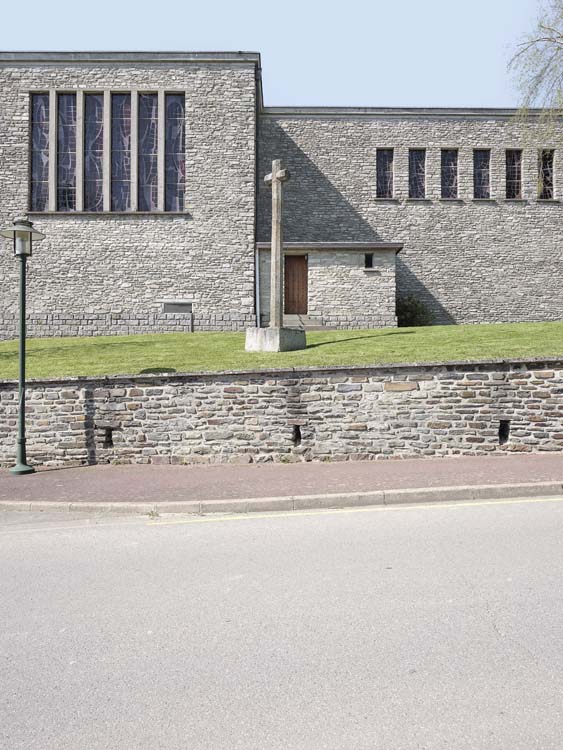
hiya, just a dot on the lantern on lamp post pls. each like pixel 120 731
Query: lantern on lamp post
pixel 23 235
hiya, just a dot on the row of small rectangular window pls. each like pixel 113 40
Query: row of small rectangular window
pixel 449 173
pixel 92 177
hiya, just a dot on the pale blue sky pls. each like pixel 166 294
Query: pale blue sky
pixel 315 52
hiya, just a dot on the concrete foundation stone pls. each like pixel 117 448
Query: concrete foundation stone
pixel 275 339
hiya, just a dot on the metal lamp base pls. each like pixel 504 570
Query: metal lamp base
pixel 22 469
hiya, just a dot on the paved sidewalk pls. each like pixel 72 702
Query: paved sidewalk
pixel 199 485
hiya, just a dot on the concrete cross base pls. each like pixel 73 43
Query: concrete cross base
pixel 275 339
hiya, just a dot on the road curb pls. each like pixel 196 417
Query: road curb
pixel 303 502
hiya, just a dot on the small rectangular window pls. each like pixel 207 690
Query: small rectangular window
pixel 93 151
pixel 417 173
pixel 174 147
pixel 449 173
pixel 39 198
pixel 482 173
pixel 66 152
pixel 545 183
pixel 384 168
pixel 368 260
pixel 514 174
pixel 121 152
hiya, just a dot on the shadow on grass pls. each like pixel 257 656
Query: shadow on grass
pixel 377 335
pixel 157 370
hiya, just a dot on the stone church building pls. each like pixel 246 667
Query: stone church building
pixel 145 172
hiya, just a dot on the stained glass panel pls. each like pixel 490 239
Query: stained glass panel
pixel 148 148
pixel 417 173
pixel 121 152
pixel 546 175
pixel 482 173
pixel 93 151
pixel 175 157
pixel 39 152
pixel 384 168
pixel 449 173
pixel 514 174
pixel 66 152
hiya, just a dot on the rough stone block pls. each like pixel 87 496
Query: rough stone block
pixel 399 387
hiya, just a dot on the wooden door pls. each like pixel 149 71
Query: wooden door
pixel 295 302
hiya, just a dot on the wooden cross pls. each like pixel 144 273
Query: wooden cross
pixel 275 180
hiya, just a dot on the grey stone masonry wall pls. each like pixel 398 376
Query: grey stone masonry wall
pixel 308 415
pixel 470 261
pixel 342 293
pixel 107 273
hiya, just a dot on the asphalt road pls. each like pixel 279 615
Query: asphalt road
pixel 391 628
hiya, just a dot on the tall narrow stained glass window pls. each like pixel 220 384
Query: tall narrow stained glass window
pixel 175 157
pixel 384 176
pixel 93 151
pixel 39 198
pixel 121 152
pixel 148 152
pixel 545 186
pixel 417 173
pixel 481 174
pixel 514 174
pixel 449 173
pixel 66 152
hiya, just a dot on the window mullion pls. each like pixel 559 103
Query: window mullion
pixel 79 151
pixel 160 150
pixel 52 150
pixel 107 152
pixel 134 149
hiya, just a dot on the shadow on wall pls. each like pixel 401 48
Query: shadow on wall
pixel 409 284
pixel 90 427
pixel 99 430
pixel 315 210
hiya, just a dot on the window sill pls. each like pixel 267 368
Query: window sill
pixel 548 200
pixel 105 214
pixel 386 200
pixel 419 200
pixel 515 200
pixel 451 200
pixel 483 200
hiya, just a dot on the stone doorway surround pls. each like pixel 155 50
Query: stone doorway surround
pixel 345 287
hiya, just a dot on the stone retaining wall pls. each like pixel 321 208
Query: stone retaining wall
pixel 308 415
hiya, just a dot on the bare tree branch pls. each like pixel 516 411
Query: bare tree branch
pixel 537 63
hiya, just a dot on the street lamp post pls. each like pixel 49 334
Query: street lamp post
pixel 23 234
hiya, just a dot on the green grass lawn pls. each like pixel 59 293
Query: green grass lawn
pixel 107 355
